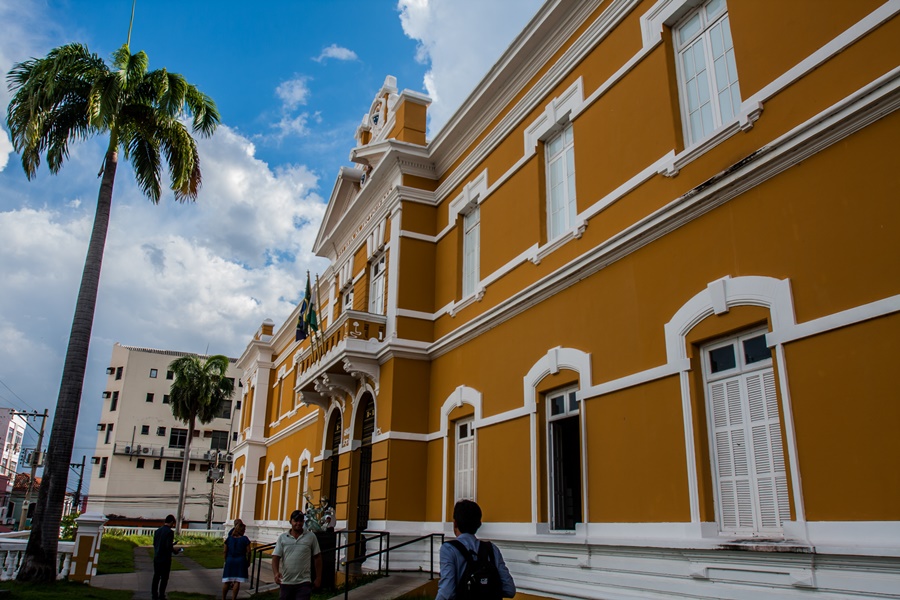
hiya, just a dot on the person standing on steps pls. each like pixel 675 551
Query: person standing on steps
pixel 163 549
pixel 291 560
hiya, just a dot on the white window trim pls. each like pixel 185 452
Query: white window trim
pixel 740 369
pixel 472 441
pixel 556 358
pixel 475 287
pixel 381 279
pixel 570 204
pixel 564 392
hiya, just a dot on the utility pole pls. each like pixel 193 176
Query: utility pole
pixel 214 474
pixel 35 460
pixel 76 499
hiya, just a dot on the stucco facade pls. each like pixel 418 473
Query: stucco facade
pixel 638 298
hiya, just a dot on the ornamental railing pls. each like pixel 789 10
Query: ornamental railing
pixel 12 554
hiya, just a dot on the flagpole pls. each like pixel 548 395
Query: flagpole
pixel 318 315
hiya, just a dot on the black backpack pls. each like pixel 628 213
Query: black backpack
pixel 481 579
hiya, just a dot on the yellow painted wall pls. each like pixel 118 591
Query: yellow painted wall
pixel 636 463
pixel 847 427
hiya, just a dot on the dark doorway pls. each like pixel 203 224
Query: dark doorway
pixel 566 465
pixel 365 464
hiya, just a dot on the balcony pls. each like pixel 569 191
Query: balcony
pixel 335 361
pixel 163 451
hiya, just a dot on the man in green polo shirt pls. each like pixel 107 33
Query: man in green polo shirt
pixel 291 560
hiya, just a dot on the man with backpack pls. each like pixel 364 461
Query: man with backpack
pixel 472 569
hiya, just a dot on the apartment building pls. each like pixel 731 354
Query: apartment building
pixel 639 298
pixel 12 432
pixel 137 464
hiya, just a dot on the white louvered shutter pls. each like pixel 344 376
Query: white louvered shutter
pixel 465 463
pixel 768 452
pixel 731 460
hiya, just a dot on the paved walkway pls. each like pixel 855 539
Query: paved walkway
pixel 196 579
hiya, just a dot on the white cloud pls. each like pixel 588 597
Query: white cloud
pixel 292 125
pixel 461 39
pixel 175 276
pixel 293 92
pixel 336 52
pixel 6 148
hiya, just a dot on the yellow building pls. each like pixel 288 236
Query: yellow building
pixel 639 298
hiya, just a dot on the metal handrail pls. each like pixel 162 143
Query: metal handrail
pixel 256 563
pixel 387 551
pixel 383 536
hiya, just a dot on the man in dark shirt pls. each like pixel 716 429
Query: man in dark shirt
pixel 163 549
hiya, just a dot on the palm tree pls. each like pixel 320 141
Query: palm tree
pixel 198 392
pixel 71 95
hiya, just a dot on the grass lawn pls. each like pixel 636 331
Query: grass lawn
pixel 62 589
pixel 116 555
pixel 207 552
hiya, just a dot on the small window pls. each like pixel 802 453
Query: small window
pixel 150 397
pixel 376 289
pixel 192 467
pixel 161 431
pixel 225 412
pixel 177 438
pixel 234 436
pixel 140 463
pixel 170 375
pixel 153 373
pixel 109 430
pixel 722 359
pixel 103 464
pixel 145 430
pixel 561 206
pixel 173 470
pixel 166 398
pixel 237 405
pixel 157 464
pixel 118 372
pixel 347 300
pixel 756 349
pixel 114 403
pixel 219 440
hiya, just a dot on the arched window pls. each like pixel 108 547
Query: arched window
pixel 745 436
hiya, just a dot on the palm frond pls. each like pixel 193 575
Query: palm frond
pixel 206 114
pixel 143 152
pixel 57 86
pixel 183 159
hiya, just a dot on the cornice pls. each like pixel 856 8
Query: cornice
pixel 573 18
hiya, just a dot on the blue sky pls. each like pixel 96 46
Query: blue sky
pixel 292 80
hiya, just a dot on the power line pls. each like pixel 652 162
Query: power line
pixel 17 396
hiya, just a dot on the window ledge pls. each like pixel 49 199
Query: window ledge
pixel 475 296
pixel 750 112
pixel 574 233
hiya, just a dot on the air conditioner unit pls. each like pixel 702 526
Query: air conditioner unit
pixel 138 449
pixel 107 394
pixel 110 370
pixel 181 453
pixel 209 456
pixel 145 450
pixel 229 457
pixel 127 449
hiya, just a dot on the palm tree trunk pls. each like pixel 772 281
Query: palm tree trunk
pixel 184 473
pixel 39 563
